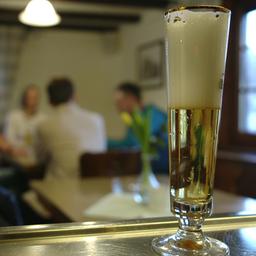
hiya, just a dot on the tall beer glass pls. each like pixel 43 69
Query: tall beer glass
pixel 197 39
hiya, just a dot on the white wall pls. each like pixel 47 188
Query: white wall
pixel 151 28
pixel 94 67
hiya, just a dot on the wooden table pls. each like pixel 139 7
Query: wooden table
pixel 67 199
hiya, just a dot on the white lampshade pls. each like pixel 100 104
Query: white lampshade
pixel 40 13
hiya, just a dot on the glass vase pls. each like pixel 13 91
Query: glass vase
pixel 147 182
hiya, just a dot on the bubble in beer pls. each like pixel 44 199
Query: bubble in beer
pixel 176 19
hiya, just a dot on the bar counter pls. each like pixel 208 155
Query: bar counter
pixel 124 238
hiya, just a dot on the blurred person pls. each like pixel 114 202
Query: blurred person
pixel 128 98
pixel 69 131
pixel 21 127
pixel 12 175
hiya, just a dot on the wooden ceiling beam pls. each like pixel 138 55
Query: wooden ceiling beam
pixel 78 20
pixel 110 17
pixel 138 3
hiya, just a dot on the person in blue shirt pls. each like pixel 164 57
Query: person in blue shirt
pixel 128 98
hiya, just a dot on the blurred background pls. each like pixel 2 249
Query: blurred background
pixel 109 49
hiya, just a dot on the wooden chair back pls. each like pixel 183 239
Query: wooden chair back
pixel 110 164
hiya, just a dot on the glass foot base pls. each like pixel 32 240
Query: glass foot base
pixel 169 246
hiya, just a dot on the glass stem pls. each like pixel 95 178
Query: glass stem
pixel 190 235
pixel 191 224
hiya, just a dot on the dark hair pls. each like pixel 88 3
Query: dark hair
pixel 130 88
pixel 60 90
pixel 23 99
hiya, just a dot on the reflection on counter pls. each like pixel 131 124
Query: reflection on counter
pixel 124 238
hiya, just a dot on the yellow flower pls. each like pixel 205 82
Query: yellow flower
pixel 127 119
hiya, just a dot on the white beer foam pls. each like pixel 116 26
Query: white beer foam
pixel 196 55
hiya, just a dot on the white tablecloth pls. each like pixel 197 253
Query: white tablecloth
pixel 123 206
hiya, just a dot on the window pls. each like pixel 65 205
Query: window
pixel 247 75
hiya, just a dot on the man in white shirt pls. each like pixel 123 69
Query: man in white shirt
pixel 69 131
pixel 21 127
